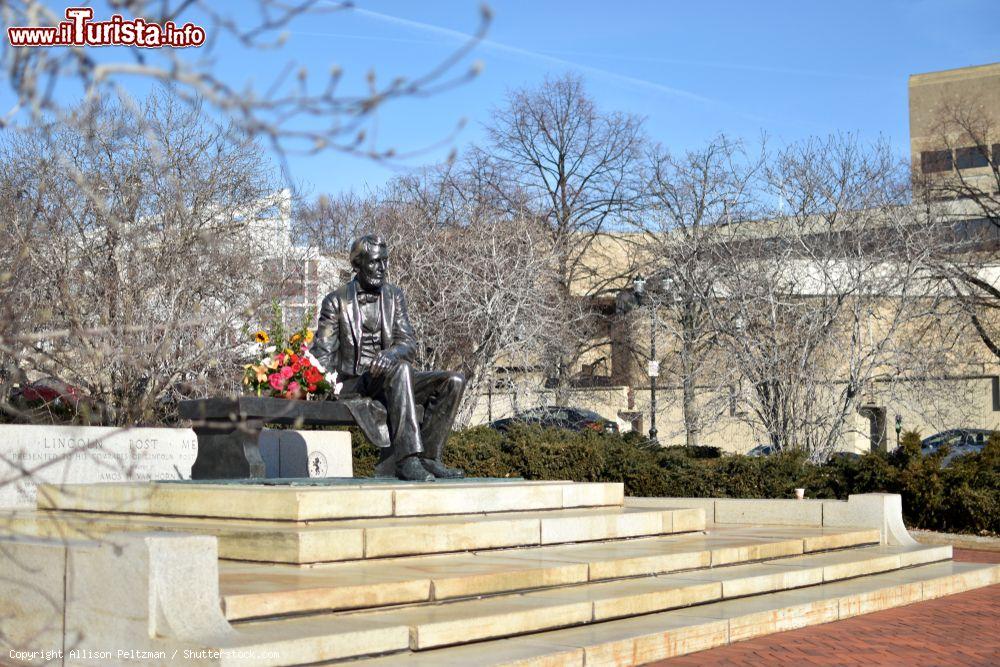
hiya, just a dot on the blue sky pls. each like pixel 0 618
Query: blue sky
pixel 789 69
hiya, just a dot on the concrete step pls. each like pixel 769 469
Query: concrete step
pixel 323 541
pixel 437 625
pixel 336 499
pixel 255 589
pixel 306 641
pixel 646 638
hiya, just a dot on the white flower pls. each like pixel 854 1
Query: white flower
pixel 270 349
pixel 335 386
pixel 266 361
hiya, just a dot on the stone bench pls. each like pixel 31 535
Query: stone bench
pixel 228 429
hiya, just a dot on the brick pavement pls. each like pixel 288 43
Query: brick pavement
pixel 961 629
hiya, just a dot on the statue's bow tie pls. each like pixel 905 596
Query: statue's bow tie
pixel 365 297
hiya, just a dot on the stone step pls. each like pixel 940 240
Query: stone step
pixel 337 499
pixel 647 638
pixel 322 541
pixel 255 589
pixel 306 641
pixel 437 625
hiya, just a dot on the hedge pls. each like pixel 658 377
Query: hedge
pixel 964 497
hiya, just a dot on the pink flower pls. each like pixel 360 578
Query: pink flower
pixel 286 372
pixel 276 381
pixel 293 387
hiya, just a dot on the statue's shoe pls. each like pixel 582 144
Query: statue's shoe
pixel 439 469
pixel 411 470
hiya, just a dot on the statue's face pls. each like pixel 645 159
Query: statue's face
pixel 372 267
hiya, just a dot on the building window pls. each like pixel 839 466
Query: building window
pixel 931 161
pixel 972 157
pixel 996 393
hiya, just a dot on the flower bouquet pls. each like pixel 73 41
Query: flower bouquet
pixel 286 369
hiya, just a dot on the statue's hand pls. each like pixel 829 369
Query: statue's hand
pixel 383 363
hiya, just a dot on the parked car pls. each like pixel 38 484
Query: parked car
pixel 50 391
pixel 960 441
pixel 50 397
pixel 555 416
pixel 956 437
pixel 844 456
pixel 763 450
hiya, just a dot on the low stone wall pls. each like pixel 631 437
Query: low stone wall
pixel 81 454
pixel 128 599
pixel 882 511
pixel 32 455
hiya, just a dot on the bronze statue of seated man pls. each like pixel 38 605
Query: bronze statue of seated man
pixel 365 335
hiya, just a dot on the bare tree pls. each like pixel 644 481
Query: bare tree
pixel 150 276
pixel 823 301
pixel 576 165
pixel 331 222
pixel 293 113
pixel 691 202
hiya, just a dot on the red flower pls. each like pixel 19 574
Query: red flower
pixel 311 388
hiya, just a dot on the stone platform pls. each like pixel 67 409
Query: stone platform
pixel 463 572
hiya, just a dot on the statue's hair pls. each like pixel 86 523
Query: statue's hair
pixel 365 246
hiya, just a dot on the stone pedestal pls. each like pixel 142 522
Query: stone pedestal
pixel 228 430
pixel 292 454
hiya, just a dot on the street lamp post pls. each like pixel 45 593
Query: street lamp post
pixel 653 371
pixel 899 427
pixel 653 367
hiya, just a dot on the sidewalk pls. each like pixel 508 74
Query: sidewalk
pixel 961 629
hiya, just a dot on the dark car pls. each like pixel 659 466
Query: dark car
pixel 844 456
pixel 959 441
pixel 956 437
pixel 763 450
pixel 555 416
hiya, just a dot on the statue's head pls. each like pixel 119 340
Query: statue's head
pixel 369 257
